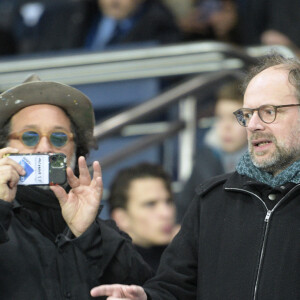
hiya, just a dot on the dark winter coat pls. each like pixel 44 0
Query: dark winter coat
pixel 235 244
pixel 38 262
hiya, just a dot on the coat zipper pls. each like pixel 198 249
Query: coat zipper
pixel 262 251
pixel 266 228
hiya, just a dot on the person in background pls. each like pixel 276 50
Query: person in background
pixel 51 25
pixel 240 236
pixel 120 22
pixel 42 25
pixel 142 205
pixel 52 243
pixel 8 42
pixel 270 23
pixel 211 20
pixel 9 47
pixel 223 145
pixel 179 7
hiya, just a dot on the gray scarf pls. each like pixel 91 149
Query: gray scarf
pixel 290 174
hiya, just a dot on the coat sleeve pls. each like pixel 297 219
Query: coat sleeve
pixel 110 255
pixel 5 219
pixel 176 277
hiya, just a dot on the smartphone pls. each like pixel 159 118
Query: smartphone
pixel 42 168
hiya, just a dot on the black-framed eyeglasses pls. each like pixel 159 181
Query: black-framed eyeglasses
pixel 267 113
pixel 31 137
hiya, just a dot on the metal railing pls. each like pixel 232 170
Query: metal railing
pixel 186 126
pixel 94 67
pixel 215 61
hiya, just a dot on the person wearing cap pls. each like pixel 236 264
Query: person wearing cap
pixel 52 243
pixel 240 237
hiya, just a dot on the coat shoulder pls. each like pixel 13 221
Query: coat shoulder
pixel 210 184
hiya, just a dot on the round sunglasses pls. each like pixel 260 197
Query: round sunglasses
pixel 31 137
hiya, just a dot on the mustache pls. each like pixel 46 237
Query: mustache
pixel 260 135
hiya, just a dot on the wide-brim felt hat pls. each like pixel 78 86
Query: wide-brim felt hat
pixel 34 91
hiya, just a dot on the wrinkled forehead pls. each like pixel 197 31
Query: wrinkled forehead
pixel 40 116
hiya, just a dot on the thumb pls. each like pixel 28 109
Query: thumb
pixel 60 194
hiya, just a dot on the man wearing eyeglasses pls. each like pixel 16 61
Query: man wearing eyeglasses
pixel 52 244
pixel 240 236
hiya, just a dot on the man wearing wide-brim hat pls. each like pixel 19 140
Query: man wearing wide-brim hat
pixel 52 243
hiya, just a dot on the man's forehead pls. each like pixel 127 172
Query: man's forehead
pixel 275 72
pixel 39 107
pixel 142 182
pixel 270 86
pixel 35 114
pixel 141 188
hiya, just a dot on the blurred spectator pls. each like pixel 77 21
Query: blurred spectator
pixel 43 25
pixel 127 21
pixel 179 7
pixel 8 43
pixel 273 22
pixel 141 203
pixel 224 145
pixel 47 25
pixel 211 19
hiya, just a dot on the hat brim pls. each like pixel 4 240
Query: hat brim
pixel 77 105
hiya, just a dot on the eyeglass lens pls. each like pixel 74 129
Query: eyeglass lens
pixel 267 114
pixel 32 138
pixel 58 139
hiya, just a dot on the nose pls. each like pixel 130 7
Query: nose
pixel 255 123
pixel 44 145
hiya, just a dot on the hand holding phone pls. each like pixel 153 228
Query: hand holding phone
pixel 10 173
pixel 41 168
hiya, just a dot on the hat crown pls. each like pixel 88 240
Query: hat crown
pixel 34 91
pixel 32 78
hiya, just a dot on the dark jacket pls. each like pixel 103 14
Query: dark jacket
pixel 151 255
pixel 206 165
pixel 234 244
pixel 36 263
pixel 257 16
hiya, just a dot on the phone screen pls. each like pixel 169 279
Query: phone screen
pixel 36 167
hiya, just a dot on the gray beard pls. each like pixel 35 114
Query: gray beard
pixel 280 159
pixel 278 162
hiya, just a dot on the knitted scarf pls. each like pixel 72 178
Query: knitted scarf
pixel 45 204
pixel 290 174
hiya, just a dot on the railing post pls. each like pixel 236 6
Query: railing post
pixel 187 137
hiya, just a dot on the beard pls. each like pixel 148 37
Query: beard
pixel 282 157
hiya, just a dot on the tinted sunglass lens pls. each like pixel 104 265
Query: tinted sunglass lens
pixel 30 138
pixel 58 139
